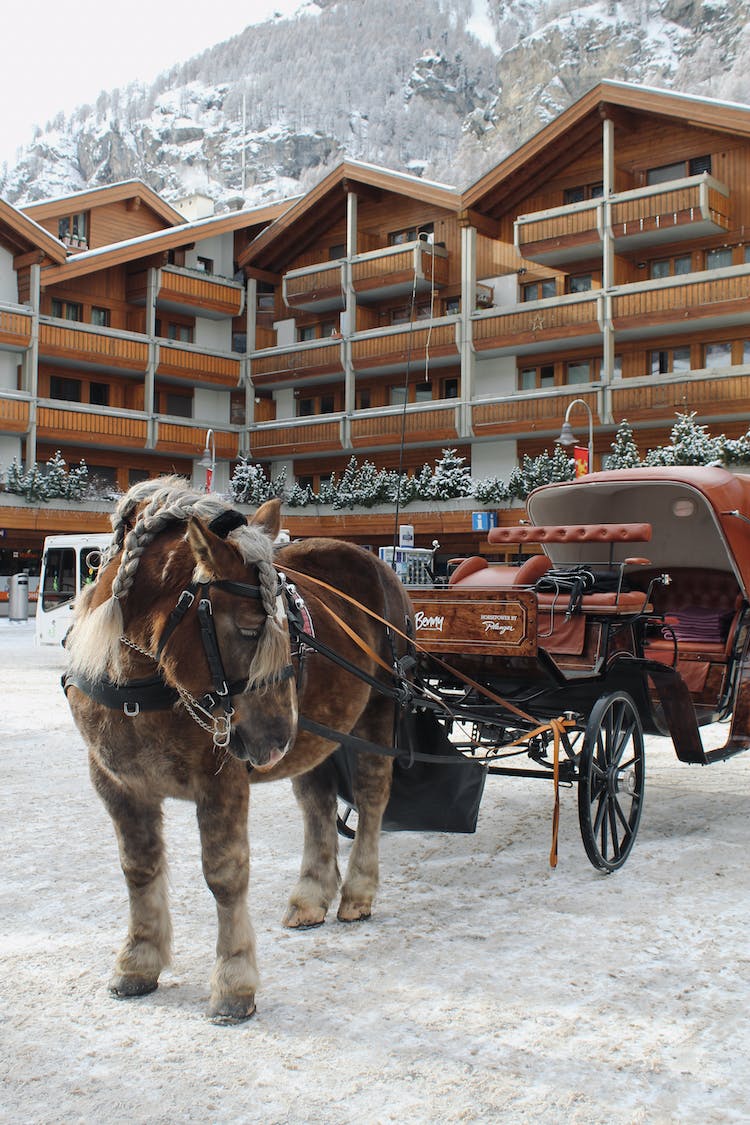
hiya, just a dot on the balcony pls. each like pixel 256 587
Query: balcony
pixel 706 392
pixel 192 364
pixel 317 288
pixel 712 299
pixel 398 271
pixel 90 348
pixel 297 437
pixel 14 413
pixel 188 440
pixel 15 329
pixel 420 424
pixel 690 208
pixel 526 414
pixel 286 366
pixel 385 351
pixel 190 292
pixel 539 326
pixel 72 424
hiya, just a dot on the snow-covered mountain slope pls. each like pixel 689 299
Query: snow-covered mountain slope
pixel 443 88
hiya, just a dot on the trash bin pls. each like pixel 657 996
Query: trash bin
pixel 18 597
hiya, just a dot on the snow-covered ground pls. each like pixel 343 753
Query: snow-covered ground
pixel 486 987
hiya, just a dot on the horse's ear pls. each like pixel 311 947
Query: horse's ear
pixel 209 550
pixel 268 517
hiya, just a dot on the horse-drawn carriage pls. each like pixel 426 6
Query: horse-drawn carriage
pixel 632 618
pixel 202 654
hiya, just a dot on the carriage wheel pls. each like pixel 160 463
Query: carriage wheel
pixel 344 814
pixel 611 780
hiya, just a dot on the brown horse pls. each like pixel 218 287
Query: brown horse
pixel 183 684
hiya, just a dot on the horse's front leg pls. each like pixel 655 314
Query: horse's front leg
pixel 319 877
pixel 138 825
pixel 222 820
pixel 372 787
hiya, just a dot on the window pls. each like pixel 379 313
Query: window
pixel 312 405
pixel 538 290
pixel 239 342
pixel 583 191
pixel 579 283
pixel 305 407
pixel 674 359
pixel 537 378
pixel 671 267
pixel 73 229
pixel 411 234
pixel 181 332
pixel 205 264
pixel 307 332
pixel 66 390
pixel 719 259
pixel 363 400
pixel 336 252
pixel 136 476
pixel 423 392
pixel 99 394
pixel 676 171
pixel 265 297
pixel 237 408
pixel 746 352
pixel 402 315
pixel 327 404
pixel 579 372
pixel 718 355
pixel 449 388
pixel 100 317
pixel 453 305
pixel 59 577
pixel 67 310
pixel 180 406
pixel 397 395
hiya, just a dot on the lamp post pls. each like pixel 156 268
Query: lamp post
pixel 567 437
pixel 208 460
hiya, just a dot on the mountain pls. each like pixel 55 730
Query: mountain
pixel 440 88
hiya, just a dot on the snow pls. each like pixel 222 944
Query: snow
pixel 485 987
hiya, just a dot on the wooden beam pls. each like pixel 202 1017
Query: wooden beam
pixel 482 223
pixel 263 275
pixel 31 258
pixel 363 191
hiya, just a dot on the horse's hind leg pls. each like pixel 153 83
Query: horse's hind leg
pixel 139 836
pixel 222 820
pixel 319 877
pixel 372 787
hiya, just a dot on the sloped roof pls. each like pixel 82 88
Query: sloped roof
pixel 144 245
pixel 97 197
pixel 579 126
pixel 324 204
pixel 22 235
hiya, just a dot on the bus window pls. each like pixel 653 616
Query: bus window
pixel 59 577
pixel 91 559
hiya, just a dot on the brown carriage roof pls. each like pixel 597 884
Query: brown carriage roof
pixel 302 222
pixel 144 245
pixel 579 126
pixel 21 235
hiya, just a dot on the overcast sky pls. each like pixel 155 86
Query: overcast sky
pixel 57 57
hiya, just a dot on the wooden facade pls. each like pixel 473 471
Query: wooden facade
pixel 382 315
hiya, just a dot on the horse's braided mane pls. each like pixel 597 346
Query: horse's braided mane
pixel 94 641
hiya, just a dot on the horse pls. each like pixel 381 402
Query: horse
pixel 186 680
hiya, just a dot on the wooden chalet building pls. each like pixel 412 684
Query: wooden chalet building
pixel 607 260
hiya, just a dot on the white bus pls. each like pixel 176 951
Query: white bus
pixel 68 563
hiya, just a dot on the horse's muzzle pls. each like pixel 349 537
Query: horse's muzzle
pixel 259 757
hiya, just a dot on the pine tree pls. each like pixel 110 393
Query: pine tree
pixel 77 483
pixel 424 484
pixel 300 496
pixel 452 477
pixel 625 453
pixel 15 478
pixel 690 444
pixel 56 476
pixel 491 490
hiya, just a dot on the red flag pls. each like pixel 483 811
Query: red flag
pixel 581 455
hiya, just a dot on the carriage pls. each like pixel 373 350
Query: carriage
pixel 627 616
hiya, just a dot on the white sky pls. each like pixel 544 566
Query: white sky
pixel 57 57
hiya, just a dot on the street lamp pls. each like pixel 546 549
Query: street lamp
pixel 567 437
pixel 208 460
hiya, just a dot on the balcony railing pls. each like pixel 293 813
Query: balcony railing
pixel 419 423
pixel 190 291
pixel 79 424
pixel 303 360
pixel 188 439
pixel 298 436
pixel 15 329
pixel 99 348
pixel 398 270
pixel 690 208
pixel 318 287
pixel 712 299
pixel 529 413
pixel 194 365
pixel 703 391
pixel 391 349
pixel 14 413
pixel 538 326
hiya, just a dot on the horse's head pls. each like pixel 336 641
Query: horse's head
pixel 243 622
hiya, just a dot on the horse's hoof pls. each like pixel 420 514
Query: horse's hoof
pixel 231 1012
pixel 353 913
pixel 126 987
pixel 298 919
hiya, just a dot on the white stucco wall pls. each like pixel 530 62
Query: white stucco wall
pixel 494 458
pixel 504 289
pixel 214 335
pixel 286 332
pixel 9 364
pixel 10 447
pixel 210 406
pixel 8 278
pixel 220 249
pixel 285 403
pixel 495 376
